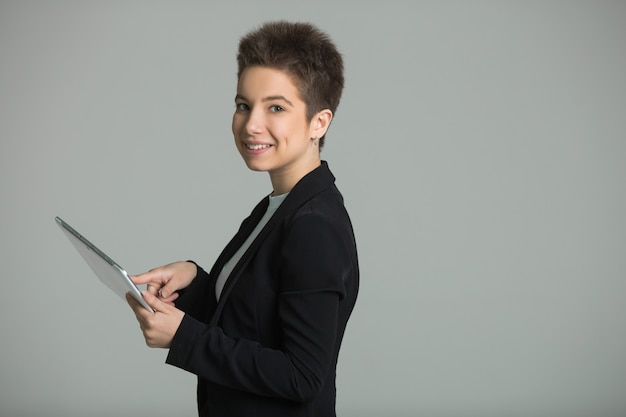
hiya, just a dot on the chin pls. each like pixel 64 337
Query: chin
pixel 254 167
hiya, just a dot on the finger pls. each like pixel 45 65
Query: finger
pixel 154 302
pixel 166 291
pixel 154 289
pixel 134 304
pixel 154 275
pixel 169 289
pixel 171 298
pixel 157 291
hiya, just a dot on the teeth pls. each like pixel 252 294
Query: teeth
pixel 255 147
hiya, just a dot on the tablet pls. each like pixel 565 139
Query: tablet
pixel 109 272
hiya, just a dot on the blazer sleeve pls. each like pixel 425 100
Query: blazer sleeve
pixel 315 263
pixel 193 300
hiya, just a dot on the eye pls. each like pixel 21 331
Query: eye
pixel 276 108
pixel 241 107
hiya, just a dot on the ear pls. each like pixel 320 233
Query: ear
pixel 320 123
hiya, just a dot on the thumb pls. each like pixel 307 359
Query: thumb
pixel 154 302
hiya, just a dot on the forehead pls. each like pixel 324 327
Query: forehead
pixel 256 82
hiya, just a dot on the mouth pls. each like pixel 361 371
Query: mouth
pixel 256 146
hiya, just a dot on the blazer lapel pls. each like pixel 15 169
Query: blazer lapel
pixel 310 185
pixel 240 237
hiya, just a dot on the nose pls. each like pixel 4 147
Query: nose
pixel 254 122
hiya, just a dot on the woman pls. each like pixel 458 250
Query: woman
pixel 262 330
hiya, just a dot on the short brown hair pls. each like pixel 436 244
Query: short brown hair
pixel 302 51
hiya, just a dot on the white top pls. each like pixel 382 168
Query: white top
pixel 230 265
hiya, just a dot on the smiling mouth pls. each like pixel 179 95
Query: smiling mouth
pixel 256 146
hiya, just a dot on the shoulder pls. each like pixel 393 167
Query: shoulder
pixel 325 207
pixel 323 219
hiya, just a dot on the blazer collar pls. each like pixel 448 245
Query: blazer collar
pixel 310 185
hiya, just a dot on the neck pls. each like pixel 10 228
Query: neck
pixel 287 178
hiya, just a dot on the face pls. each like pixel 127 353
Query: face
pixel 270 127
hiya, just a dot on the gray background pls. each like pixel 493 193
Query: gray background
pixel 480 148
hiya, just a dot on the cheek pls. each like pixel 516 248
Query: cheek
pixel 236 125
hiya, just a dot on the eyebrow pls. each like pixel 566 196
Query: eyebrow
pixel 268 98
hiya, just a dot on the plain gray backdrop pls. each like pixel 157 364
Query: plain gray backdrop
pixel 480 147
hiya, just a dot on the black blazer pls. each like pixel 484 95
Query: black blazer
pixel 269 347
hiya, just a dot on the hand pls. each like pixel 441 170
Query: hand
pixel 159 327
pixel 164 281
